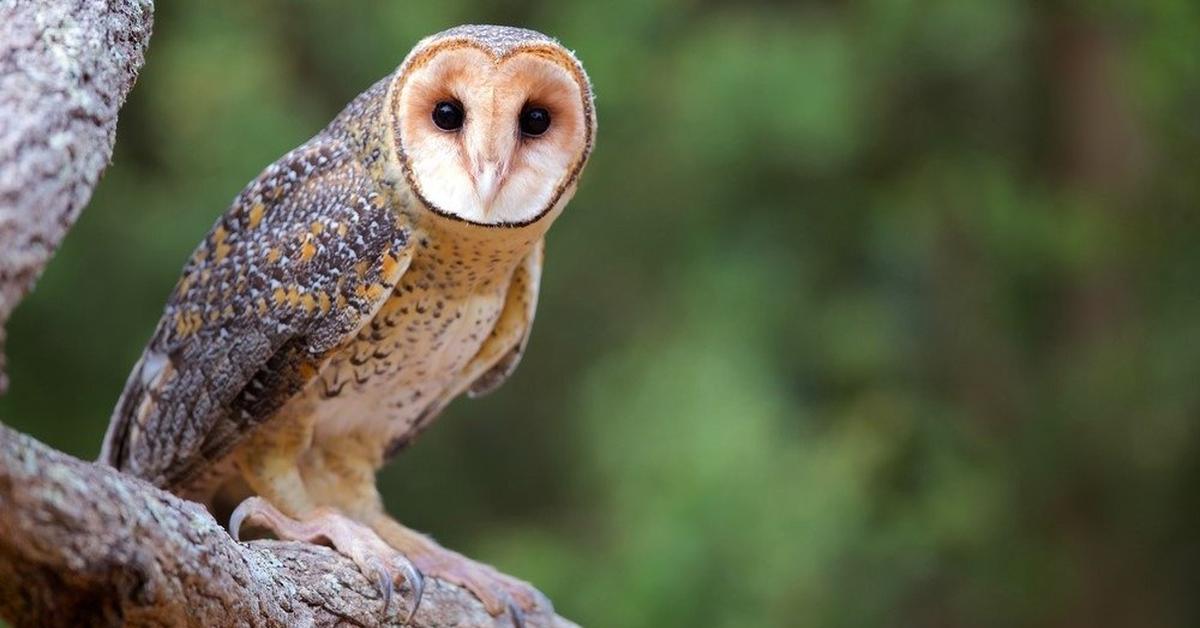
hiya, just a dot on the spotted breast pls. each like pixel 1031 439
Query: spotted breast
pixel 425 341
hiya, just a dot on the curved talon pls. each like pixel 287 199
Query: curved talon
pixel 384 581
pixel 374 558
pixel 239 517
pixel 518 616
pixel 417 582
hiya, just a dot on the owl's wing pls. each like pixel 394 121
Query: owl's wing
pixel 511 333
pixel 304 257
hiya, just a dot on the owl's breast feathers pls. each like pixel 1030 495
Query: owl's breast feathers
pixel 456 323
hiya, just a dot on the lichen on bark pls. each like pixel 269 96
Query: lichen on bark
pixel 65 70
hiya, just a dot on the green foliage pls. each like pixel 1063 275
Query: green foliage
pixel 866 314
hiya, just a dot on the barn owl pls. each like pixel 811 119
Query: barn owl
pixel 357 286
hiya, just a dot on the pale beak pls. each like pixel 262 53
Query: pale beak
pixel 488 178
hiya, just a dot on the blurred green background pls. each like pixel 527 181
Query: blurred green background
pixel 877 313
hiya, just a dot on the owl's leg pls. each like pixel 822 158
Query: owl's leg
pixel 271 462
pixel 346 472
pixel 352 539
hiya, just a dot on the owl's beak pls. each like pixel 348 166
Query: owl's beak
pixel 488 179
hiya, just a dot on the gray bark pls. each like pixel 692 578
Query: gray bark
pixel 84 545
pixel 65 69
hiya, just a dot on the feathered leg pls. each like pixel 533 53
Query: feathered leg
pixel 271 463
pixel 342 475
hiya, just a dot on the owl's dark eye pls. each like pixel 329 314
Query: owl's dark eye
pixel 448 116
pixel 534 121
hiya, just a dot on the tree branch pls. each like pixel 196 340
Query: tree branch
pixel 65 69
pixel 84 545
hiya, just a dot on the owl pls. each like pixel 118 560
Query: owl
pixel 355 288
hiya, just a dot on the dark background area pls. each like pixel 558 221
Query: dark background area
pixel 881 313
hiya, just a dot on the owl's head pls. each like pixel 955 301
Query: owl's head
pixel 492 124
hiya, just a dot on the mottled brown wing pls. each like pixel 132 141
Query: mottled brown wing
pixel 304 257
pixel 512 329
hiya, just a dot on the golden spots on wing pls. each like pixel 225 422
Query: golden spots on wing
pixel 205 275
pixel 200 255
pixel 227 312
pixel 307 251
pixel 213 316
pixel 316 228
pixel 308 302
pixel 262 306
pixel 342 229
pixel 181 326
pixel 185 283
pixel 220 234
pixel 293 295
pixel 307 370
pixel 377 201
pixel 279 296
pixel 341 301
pixel 256 214
pixel 323 301
pixel 273 254
pixel 222 252
pixel 360 268
pixel 389 265
pixel 371 292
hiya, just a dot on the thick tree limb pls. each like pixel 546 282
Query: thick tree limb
pixel 84 545
pixel 65 69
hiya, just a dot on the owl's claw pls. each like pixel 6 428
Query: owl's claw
pixel 417 582
pixel 238 518
pixel 358 542
pixel 385 579
pixel 500 594
pixel 384 583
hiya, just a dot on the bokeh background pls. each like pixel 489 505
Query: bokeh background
pixel 878 313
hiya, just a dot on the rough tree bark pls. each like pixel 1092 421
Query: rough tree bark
pixel 81 544
pixel 65 69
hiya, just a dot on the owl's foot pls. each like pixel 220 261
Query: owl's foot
pixel 375 558
pixel 498 592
